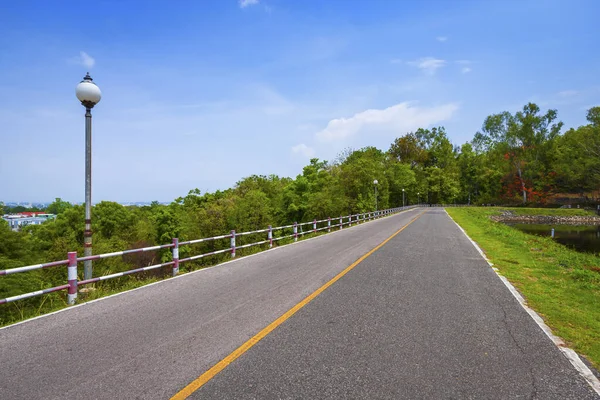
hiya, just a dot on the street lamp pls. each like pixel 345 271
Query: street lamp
pixel 89 94
pixel 375 182
pixel 402 197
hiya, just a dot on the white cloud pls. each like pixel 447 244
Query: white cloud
pixel 398 118
pixel 303 149
pixel 568 93
pixel 246 3
pixel 441 38
pixel 428 64
pixel 83 59
pixel 466 65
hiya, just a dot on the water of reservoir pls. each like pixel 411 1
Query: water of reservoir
pixel 583 238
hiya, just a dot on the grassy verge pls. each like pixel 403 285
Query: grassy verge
pixel 562 285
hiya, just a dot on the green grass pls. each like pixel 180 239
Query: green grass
pixel 562 285
pixel 25 309
pixel 553 212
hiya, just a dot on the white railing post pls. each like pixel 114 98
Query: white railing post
pixel 175 256
pixel 328 224
pixel 350 220
pixel 270 237
pixel 314 225
pixel 233 243
pixel 72 277
pixel 295 231
pixel 341 223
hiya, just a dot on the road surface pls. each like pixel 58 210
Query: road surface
pixel 422 317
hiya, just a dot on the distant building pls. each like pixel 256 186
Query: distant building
pixel 19 220
pixel 32 213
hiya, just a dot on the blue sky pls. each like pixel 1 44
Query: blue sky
pixel 198 94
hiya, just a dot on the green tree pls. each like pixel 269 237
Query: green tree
pixel 468 166
pixel 58 206
pixel 577 156
pixel 408 149
pixel 357 173
pixel 401 176
pixel 252 211
pixel 523 139
pixel 112 219
pixel 593 115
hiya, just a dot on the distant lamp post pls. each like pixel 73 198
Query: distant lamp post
pixel 375 183
pixel 419 197
pixel 89 94
pixel 402 197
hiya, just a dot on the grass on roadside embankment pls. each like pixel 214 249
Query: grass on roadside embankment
pixel 562 285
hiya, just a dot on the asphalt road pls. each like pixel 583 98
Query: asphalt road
pixel 422 317
pixel 149 343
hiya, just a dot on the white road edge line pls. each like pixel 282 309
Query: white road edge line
pixel 570 354
pixel 191 272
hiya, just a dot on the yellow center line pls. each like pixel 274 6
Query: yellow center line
pixel 221 365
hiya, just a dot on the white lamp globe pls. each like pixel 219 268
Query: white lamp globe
pixel 88 92
pixel 375 182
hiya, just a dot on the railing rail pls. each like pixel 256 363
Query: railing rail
pixel 72 261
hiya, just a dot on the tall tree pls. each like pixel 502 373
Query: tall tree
pixel 58 206
pixel 522 138
pixel 577 156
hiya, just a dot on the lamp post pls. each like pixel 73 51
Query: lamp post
pixel 89 94
pixel 419 197
pixel 375 182
pixel 402 197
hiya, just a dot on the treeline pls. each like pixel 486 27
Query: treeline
pixel 515 158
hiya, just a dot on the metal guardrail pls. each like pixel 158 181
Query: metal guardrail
pixel 72 259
